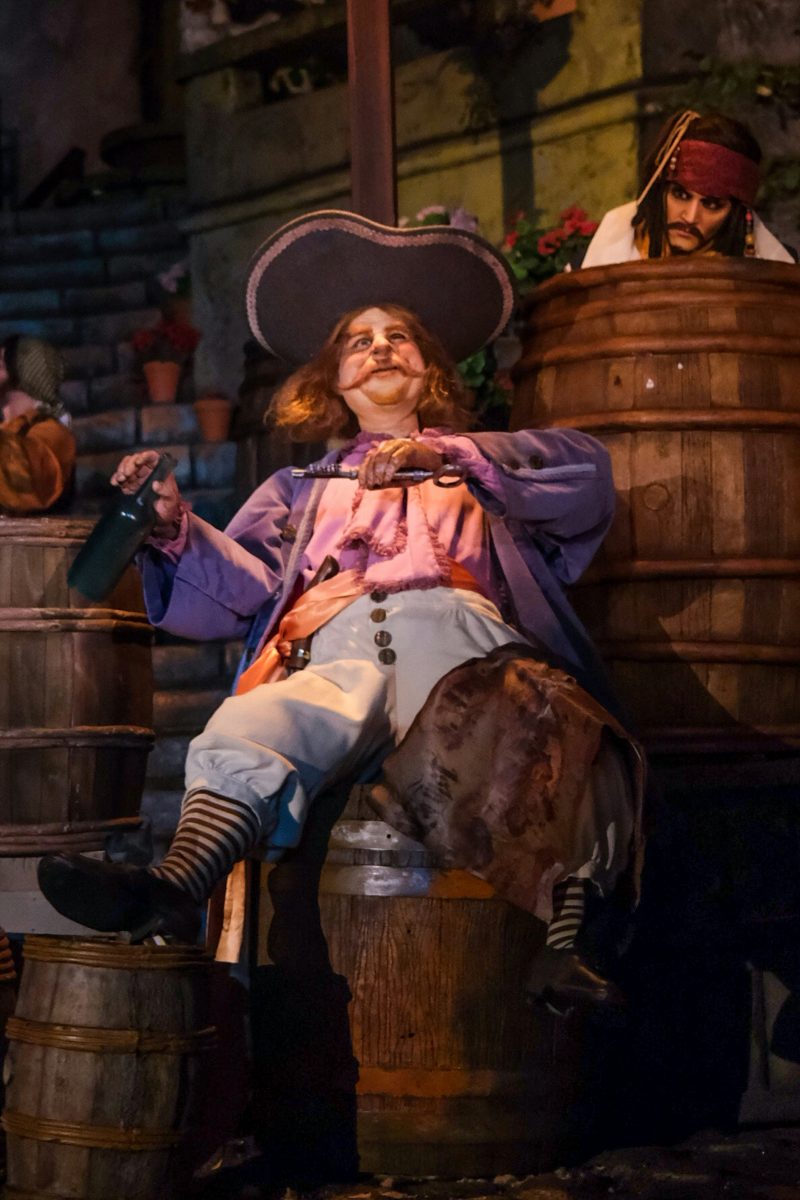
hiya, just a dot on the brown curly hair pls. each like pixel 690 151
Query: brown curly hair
pixel 310 408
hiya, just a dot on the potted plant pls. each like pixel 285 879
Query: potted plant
pixel 534 253
pixel 213 412
pixel 162 350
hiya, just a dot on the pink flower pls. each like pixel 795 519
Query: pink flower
pixel 461 219
pixel 432 210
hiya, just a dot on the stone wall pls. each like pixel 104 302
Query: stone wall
pixel 68 75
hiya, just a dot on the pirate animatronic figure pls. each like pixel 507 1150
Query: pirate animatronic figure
pixel 37 451
pixel 429 577
pixel 700 185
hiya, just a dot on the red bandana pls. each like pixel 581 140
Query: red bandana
pixel 712 170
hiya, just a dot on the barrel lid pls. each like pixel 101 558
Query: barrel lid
pixel 662 273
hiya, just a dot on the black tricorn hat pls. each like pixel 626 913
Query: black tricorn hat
pixel 320 266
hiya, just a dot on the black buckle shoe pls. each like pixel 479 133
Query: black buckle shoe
pixel 114 897
pixel 563 982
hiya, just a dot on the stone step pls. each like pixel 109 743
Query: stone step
pixel 86 361
pixel 215 505
pixel 162 807
pixel 88 243
pixel 77 301
pixel 80 272
pixel 205 466
pixel 167 759
pixel 106 215
pixel 104 393
pixel 141 426
pixel 185 710
pixel 109 328
pixel 195 665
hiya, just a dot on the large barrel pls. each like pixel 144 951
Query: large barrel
pixel 101 1068
pixel 456 1074
pixel 76 693
pixel 690 373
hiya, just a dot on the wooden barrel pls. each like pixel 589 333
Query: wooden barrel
pixel 456 1074
pixel 690 374
pixel 76 691
pixel 103 1057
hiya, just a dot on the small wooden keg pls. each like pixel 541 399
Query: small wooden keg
pixel 76 691
pixel 101 1068
pixel 689 372
pixel 456 1074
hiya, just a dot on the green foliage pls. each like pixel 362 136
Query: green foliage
pixel 535 253
pixel 728 85
pixel 492 389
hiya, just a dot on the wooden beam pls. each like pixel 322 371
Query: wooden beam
pixel 373 178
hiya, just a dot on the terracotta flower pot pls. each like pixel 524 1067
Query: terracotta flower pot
pixel 213 417
pixel 162 380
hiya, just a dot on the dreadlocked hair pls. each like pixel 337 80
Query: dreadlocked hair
pixel 720 130
pixel 310 408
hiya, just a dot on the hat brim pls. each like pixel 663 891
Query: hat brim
pixel 320 266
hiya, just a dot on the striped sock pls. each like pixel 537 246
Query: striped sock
pixel 569 902
pixel 7 970
pixel 214 832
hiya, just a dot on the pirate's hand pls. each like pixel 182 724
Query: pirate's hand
pixel 380 465
pixel 129 476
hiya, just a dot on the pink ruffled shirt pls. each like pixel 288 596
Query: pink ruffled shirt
pixel 398 539
pixel 404 538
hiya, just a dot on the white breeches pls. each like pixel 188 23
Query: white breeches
pixel 276 747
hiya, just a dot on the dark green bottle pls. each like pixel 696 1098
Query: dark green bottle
pixel 116 537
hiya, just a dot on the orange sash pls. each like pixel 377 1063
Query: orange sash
pixel 313 610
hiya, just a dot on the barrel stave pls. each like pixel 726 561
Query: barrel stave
pixel 689 372
pixel 75 694
pixel 457 1075
pixel 85 1119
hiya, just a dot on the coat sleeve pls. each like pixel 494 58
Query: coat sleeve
pixel 221 579
pixel 556 483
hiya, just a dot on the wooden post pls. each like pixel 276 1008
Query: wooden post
pixel 371 86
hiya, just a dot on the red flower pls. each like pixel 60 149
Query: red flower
pixel 574 214
pixel 587 228
pixel 511 240
pixel 549 242
pixel 171 340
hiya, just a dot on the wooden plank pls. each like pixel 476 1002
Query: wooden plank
pixel 371 94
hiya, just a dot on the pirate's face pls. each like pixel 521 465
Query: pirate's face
pixel 693 220
pixel 381 371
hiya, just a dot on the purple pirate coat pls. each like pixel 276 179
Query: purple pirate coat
pixel 548 508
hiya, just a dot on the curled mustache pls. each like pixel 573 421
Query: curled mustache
pixel 684 228
pixel 365 373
